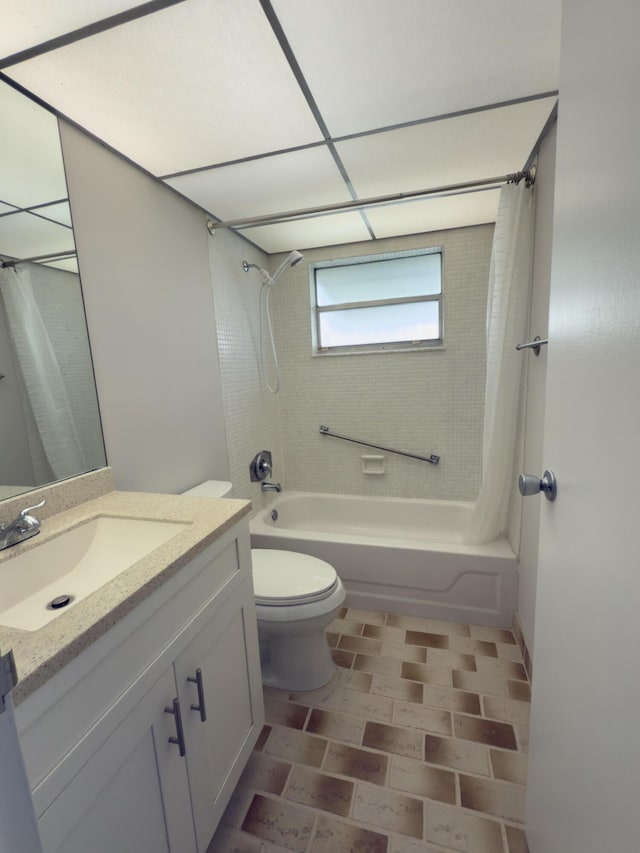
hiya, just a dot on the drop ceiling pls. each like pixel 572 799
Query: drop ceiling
pixel 255 107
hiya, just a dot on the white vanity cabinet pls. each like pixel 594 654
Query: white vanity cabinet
pixel 132 794
pixel 212 674
pixel 181 673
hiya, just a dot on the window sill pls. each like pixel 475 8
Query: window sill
pixel 380 351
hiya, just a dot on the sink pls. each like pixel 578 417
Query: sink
pixel 73 565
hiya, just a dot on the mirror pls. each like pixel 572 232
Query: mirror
pixel 49 418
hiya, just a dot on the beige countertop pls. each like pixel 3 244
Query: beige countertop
pixel 40 654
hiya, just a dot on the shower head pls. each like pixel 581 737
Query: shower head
pixel 291 260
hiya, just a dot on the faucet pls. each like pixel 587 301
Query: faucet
pixel 271 487
pixel 23 527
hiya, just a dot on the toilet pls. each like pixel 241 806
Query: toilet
pixel 296 597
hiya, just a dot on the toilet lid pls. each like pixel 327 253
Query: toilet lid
pixel 287 577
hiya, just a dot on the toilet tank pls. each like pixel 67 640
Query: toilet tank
pixel 211 489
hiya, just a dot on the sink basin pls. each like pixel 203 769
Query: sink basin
pixel 73 565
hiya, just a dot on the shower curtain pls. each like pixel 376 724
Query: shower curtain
pixel 507 311
pixel 41 376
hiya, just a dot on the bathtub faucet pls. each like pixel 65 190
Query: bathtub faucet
pixel 271 487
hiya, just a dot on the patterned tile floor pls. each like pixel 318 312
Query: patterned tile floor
pixel 417 745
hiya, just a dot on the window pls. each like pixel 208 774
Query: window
pixel 381 303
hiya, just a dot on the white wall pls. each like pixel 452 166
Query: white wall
pixel 424 402
pixel 143 255
pixel 525 518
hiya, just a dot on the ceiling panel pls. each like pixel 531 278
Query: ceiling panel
pixel 32 22
pixel 31 168
pixel 434 213
pixel 285 182
pixel 68 264
pixel 470 147
pixel 199 83
pixel 24 236
pixel 59 212
pixel 372 63
pixel 309 233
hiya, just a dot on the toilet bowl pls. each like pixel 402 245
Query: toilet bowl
pixel 297 596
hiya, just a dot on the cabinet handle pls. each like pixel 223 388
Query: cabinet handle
pixel 200 706
pixel 179 740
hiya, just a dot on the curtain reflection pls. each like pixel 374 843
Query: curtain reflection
pixel 55 444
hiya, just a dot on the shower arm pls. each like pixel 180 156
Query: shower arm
pixel 432 459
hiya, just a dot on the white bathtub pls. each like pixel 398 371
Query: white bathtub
pixel 397 555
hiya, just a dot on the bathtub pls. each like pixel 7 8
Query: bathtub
pixel 396 555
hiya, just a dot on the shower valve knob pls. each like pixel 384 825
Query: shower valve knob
pixel 529 484
pixel 261 466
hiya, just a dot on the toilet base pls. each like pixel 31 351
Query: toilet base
pixel 296 663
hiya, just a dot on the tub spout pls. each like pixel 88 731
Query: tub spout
pixel 271 487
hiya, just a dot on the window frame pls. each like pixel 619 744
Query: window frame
pixel 390 346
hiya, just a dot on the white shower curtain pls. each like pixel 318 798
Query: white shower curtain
pixel 507 311
pixel 41 375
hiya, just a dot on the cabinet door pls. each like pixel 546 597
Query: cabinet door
pixel 226 653
pixel 132 795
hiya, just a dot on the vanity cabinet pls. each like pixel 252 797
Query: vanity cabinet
pixel 132 794
pixel 104 754
pixel 212 682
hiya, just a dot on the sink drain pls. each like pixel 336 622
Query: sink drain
pixel 59 601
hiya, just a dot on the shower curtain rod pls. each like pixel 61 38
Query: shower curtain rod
pixel 291 215
pixel 50 257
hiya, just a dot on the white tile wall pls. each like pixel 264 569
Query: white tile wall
pixel 251 412
pixel 423 402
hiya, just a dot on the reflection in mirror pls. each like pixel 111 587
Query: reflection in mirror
pixel 49 417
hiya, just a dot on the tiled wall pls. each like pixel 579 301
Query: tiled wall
pixel 423 402
pixel 251 412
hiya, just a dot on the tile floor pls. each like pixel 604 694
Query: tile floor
pixel 417 745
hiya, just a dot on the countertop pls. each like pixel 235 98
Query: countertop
pixel 40 654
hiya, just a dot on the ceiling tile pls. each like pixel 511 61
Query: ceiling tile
pixel 24 236
pixel 58 212
pixel 31 168
pixel 199 83
pixel 68 264
pixel 31 22
pixel 309 233
pixel 470 147
pixel 285 182
pixel 434 214
pixel 372 63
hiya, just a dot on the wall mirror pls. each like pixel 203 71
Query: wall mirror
pixel 49 418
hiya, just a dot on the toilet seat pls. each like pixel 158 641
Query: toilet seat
pixel 286 578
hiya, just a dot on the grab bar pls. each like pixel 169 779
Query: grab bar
pixel 535 345
pixel 433 459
